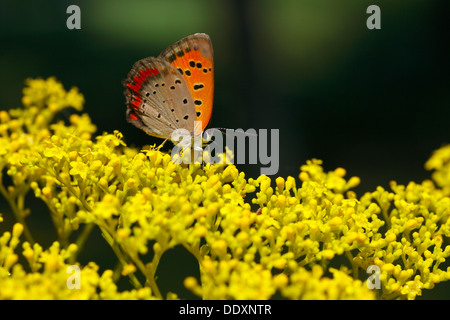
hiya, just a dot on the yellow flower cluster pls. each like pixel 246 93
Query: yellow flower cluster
pixel 306 238
pixel 50 277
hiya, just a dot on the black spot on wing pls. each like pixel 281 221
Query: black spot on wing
pixel 172 58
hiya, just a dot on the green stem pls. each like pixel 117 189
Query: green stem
pixel 150 274
pixel 384 210
pixel 194 251
pixel 17 210
pixel 81 240
pixel 110 240
pixel 349 256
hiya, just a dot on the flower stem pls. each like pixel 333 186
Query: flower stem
pixel 18 210
pixel 349 255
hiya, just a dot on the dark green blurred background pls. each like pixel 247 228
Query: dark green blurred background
pixel 376 102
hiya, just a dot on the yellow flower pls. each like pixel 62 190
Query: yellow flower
pixel 79 168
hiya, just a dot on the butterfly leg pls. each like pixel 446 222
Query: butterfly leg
pixel 161 145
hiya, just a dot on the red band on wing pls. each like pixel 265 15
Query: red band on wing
pixel 138 80
pixel 143 75
pixel 135 104
pixel 132 116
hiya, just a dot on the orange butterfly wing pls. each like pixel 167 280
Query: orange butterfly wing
pixel 193 57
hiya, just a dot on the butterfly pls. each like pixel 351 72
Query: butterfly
pixel 174 90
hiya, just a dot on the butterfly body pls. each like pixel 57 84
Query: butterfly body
pixel 174 90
